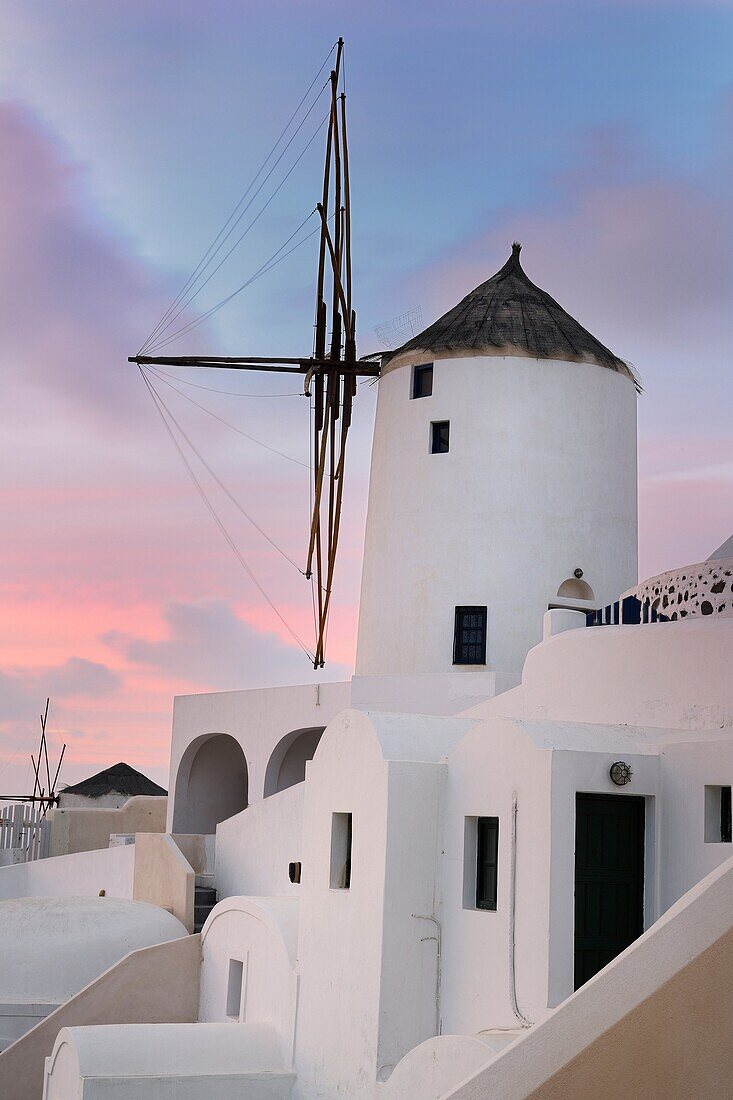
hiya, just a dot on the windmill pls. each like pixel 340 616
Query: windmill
pixel 47 796
pixel 332 369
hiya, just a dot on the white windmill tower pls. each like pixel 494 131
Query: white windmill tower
pixel 503 482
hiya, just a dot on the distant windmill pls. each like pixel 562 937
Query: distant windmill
pixel 46 796
pixel 330 372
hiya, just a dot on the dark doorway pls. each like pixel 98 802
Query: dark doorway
pixel 609 879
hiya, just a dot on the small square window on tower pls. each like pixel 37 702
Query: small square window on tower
pixel 422 380
pixel 469 638
pixel 439 437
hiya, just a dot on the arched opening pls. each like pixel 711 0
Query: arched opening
pixel 211 784
pixel 574 588
pixel 286 766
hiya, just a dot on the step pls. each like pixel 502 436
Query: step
pixel 205 895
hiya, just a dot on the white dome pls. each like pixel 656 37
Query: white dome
pixel 53 947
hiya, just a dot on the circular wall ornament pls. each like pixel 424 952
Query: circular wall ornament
pixel 620 773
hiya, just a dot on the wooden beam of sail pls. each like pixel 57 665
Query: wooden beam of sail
pixel 329 377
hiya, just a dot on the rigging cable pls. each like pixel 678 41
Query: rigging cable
pixel 207 256
pixel 214 515
pixel 263 270
pixel 240 507
pixel 226 423
pixel 227 393
pixel 195 292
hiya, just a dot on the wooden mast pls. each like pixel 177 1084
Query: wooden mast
pixel 330 375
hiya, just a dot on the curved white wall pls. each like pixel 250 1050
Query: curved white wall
pixel 540 479
pixel 55 946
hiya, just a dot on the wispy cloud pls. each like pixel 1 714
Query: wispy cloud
pixel 210 646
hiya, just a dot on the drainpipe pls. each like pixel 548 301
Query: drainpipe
pixel 512 915
pixel 436 938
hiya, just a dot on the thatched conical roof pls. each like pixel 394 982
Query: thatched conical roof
pixel 119 779
pixel 508 315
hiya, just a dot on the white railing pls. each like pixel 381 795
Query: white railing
pixel 25 830
pixel 705 588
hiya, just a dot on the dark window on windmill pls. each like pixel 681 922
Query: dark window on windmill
pixel 422 380
pixel 469 638
pixel 439 437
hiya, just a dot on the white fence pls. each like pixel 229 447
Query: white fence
pixel 25 830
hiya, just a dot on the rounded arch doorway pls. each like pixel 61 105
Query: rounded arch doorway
pixel 286 766
pixel 211 784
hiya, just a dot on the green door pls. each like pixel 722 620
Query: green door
pixel 609 879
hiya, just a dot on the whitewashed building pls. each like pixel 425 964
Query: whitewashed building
pixel 511 831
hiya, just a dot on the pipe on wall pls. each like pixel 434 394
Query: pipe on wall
pixel 512 916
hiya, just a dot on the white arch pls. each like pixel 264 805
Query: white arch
pixel 211 784
pixel 286 765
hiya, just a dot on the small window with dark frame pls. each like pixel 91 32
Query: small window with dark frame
pixel 469 639
pixel 422 380
pixel 718 824
pixel 439 437
pixel 340 851
pixel 487 858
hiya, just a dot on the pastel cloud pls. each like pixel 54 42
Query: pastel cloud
pixel 208 644
pixel 102 529
pixel 20 691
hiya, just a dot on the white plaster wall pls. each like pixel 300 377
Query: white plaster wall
pixel 255 848
pixel 436 1065
pixel 340 936
pixel 484 769
pixel 261 933
pixel 686 768
pixel 112 801
pixel 79 874
pixel 86 827
pixel 671 675
pixel 257 719
pixel 540 479
pixel 367 956
pixel 410 964
pixel 692 925
pixel 429 693
pixel 167 1062
pixel 65 1082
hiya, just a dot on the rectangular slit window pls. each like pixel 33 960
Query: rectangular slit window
pixel 422 381
pixel 340 851
pixel 718 828
pixel 469 637
pixel 487 854
pixel 234 988
pixel 439 437
pixel 480 863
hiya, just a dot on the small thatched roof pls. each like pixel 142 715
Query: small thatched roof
pixel 509 315
pixel 119 779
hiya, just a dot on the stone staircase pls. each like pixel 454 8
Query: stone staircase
pixel 205 898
